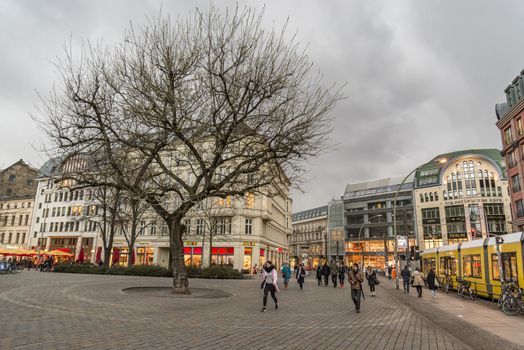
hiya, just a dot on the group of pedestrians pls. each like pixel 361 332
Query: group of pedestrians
pixel 337 272
pixel 417 280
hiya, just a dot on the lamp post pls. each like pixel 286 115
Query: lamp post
pixel 395 253
pixel 359 232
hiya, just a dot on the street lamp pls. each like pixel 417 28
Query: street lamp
pixel 360 230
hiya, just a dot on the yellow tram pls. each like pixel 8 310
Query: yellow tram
pixel 477 261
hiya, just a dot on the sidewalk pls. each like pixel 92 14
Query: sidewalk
pixel 480 313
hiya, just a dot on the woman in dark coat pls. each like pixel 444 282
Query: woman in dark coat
pixel 371 276
pixel 300 275
pixel 431 280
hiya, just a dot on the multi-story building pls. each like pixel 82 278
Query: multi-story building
pixel 460 196
pixel 367 209
pixel 17 192
pixel 307 242
pixel 253 228
pixel 509 122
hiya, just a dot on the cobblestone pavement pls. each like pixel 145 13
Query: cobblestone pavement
pixel 68 311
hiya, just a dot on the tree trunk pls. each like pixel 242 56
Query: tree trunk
pixel 180 281
pixel 107 256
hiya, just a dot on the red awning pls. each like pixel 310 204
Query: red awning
pixel 81 256
pixel 223 251
pixel 116 255
pixel 65 250
pixel 187 250
pixel 262 252
pixel 197 251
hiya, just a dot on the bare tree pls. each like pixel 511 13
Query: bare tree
pixel 133 211
pixel 213 222
pixel 178 112
pixel 104 210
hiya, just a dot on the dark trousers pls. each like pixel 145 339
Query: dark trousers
pixel 371 287
pixel 419 291
pixel 326 280
pixel 269 288
pixel 406 286
pixel 319 280
pixel 341 278
pixel 301 282
pixel 355 295
pixel 334 280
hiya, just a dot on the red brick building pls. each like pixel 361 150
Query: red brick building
pixel 510 124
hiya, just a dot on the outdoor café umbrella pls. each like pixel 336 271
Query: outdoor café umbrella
pixel 133 257
pixel 116 255
pixel 98 255
pixel 81 257
pixel 57 253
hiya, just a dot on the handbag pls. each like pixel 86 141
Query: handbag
pixel 437 284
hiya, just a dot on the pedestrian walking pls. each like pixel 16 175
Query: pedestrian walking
pixel 417 281
pixel 390 270
pixel 371 276
pixel 269 284
pixel 300 276
pixel 355 278
pixel 431 280
pixel 334 273
pixel 319 274
pixel 325 273
pixel 406 274
pixel 342 270
pixel 286 274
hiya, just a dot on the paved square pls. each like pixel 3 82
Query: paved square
pixel 68 311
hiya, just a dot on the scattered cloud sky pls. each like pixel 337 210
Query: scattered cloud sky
pixel 422 77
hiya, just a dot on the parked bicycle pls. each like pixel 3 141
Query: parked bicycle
pixel 512 300
pixel 448 284
pixel 508 289
pixel 464 289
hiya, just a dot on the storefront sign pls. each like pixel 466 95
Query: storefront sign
pixel 402 242
pixel 431 221
pixel 457 235
pixel 456 219
pixel 190 243
pixel 473 201
pixel 248 244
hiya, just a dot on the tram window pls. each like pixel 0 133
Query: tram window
pixel 510 266
pixel 472 266
pixel 428 263
pixel 448 266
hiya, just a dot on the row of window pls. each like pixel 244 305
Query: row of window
pixel 68 226
pixel 429 197
pixel 66 196
pixel 472 266
pixel 306 237
pixel 15 205
pixel 9 238
pixel 12 178
pixel 22 219
pixel 76 210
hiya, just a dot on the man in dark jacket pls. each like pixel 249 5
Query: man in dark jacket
pixel 319 274
pixel 356 277
pixel 406 274
pixel 326 272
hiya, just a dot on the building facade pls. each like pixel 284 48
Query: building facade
pixel 461 196
pixel 17 192
pixel 252 229
pixel 509 122
pixel 308 240
pixel 368 220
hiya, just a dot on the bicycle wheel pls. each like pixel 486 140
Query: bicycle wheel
pixel 446 288
pixel 472 294
pixel 460 291
pixel 500 300
pixel 511 306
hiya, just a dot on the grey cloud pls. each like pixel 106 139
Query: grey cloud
pixel 423 77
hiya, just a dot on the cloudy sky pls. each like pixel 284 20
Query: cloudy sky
pixel 422 77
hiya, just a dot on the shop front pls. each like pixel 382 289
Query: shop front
pixel 193 256
pixel 222 256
